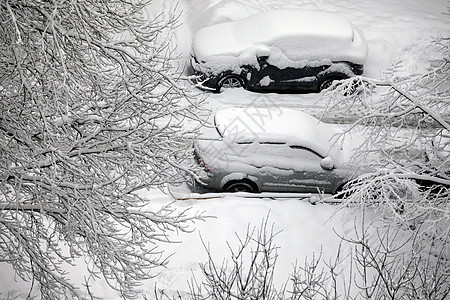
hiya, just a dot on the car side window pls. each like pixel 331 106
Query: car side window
pixel 305 153
pixel 272 143
pixel 273 148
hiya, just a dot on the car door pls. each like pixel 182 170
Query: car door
pixel 308 174
pixel 270 77
pixel 271 167
pixel 283 168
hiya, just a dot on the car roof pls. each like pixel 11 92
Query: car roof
pixel 275 125
pixel 296 33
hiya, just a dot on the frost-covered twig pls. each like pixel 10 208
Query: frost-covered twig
pixel 406 124
pixel 91 111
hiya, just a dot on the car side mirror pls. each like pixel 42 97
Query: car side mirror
pixel 327 163
pixel 262 52
pixel 262 61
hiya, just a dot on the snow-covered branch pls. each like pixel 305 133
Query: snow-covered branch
pixel 406 121
pixel 91 111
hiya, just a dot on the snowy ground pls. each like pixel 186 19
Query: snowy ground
pixel 394 29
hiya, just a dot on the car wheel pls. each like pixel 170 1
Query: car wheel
pixel 239 186
pixel 325 84
pixel 230 82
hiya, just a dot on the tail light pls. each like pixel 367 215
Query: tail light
pixel 201 163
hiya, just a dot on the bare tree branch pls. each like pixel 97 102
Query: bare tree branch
pixel 91 111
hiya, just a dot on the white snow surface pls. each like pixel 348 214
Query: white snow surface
pixel 276 124
pixel 394 29
pixel 257 141
pixel 287 37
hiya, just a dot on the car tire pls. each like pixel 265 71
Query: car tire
pixel 230 82
pixel 326 83
pixel 240 186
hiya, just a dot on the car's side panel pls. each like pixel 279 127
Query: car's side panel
pixel 271 78
pixel 294 162
pixel 308 171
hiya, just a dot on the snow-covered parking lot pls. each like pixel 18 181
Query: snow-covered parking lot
pixel 396 30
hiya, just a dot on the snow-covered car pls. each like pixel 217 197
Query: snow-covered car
pixel 273 150
pixel 284 50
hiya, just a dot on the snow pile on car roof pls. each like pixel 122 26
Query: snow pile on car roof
pixel 286 36
pixel 275 125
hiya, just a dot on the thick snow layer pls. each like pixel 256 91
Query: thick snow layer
pixel 394 29
pixel 285 125
pixel 287 37
pixel 282 143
